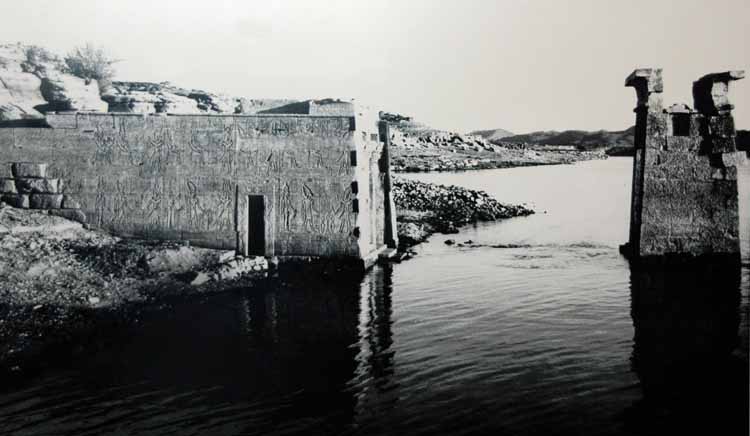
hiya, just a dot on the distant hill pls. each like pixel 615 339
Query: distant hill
pixel 580 138
pixel 492 134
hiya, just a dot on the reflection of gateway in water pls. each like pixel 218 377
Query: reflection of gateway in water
pixel 327 341
pixel 687 352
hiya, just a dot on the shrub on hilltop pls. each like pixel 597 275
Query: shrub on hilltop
pixel 91 62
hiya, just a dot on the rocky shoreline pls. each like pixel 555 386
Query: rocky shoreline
pixel 430 159
pixel 419 148
pixel 427 208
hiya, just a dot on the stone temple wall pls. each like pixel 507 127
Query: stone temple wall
pixel 188 177
pixel 685 198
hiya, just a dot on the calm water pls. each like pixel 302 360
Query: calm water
pixel 552 334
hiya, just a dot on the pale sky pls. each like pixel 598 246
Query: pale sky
pixel 518 65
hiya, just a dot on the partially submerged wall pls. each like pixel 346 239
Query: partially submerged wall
pixel 685 199
pixel 179 176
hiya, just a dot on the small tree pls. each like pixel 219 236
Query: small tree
pixel 90 62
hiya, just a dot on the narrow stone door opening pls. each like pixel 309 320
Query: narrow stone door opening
pixel 256 225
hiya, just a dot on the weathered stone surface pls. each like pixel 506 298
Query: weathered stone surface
pixel 37 186
pixel 721 126
pixel 187 177
pixel 33 82
pixel 648 79
pixel 146 97
pixel 711 92
pixel 698 125
pixel 19 95
pixel 28 169
pixel 685 197
pixel 64 92
pixel 679 108
pixel 71 214
pixel 683 144
pixel 720 145
pixel 20 201
pixel 727 173
pixel 70 202
pixel 7 186
pixel 19 88
pixel 734 159
pixel 45 201
pixel 656 125
pixel 172 260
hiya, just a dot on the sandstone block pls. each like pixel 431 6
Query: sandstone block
pixel 657 123
pixel 45 201
pixel 711 92
pixel 683 143
pixel 728 173
pixel 69 202
pixel 28 169
pixel 698 125
pixel 734 159
pixel 71 214
pixel 721 126
pixel 722 145
pixel 37 186
pixel 7 186
pixel 20 201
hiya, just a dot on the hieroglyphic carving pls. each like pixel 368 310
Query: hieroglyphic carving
pixel 143 174
pixel 254 127
pixel 288 208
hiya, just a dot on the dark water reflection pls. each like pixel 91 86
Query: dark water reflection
pixel 318 356
pixel 688 351
pixel 554 335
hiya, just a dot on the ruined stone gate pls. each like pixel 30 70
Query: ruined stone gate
pixel 302 184
pixel 685 196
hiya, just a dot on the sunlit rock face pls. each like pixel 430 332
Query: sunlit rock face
pixel 147 97
pixel 33 81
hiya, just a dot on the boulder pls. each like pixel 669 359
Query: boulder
pixel 64 92
pixel 70 214
pixel 172 260
pixel 45 201
pixel 37 186
pixel 20 95
pixel 7 186
pixel 20 201
pixel 32 81
pixel 28 169
pixel 69 202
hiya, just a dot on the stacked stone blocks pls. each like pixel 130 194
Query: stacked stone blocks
pixel 685 198
pixel 30 188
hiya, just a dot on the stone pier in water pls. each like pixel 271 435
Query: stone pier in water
pixel 685 198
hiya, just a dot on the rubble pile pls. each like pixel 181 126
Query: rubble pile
pixel 425 208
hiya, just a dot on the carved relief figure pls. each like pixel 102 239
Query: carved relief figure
pixel 308 210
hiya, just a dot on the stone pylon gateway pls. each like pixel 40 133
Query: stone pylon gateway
pixel 685 199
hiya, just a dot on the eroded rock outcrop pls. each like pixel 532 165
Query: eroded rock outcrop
pixel 33 81
pixel 148 97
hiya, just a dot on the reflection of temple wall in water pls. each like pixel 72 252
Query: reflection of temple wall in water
pixel 687 351
pixel 375 360
pixel 331 338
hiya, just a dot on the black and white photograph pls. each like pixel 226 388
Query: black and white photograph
pixel 374 217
